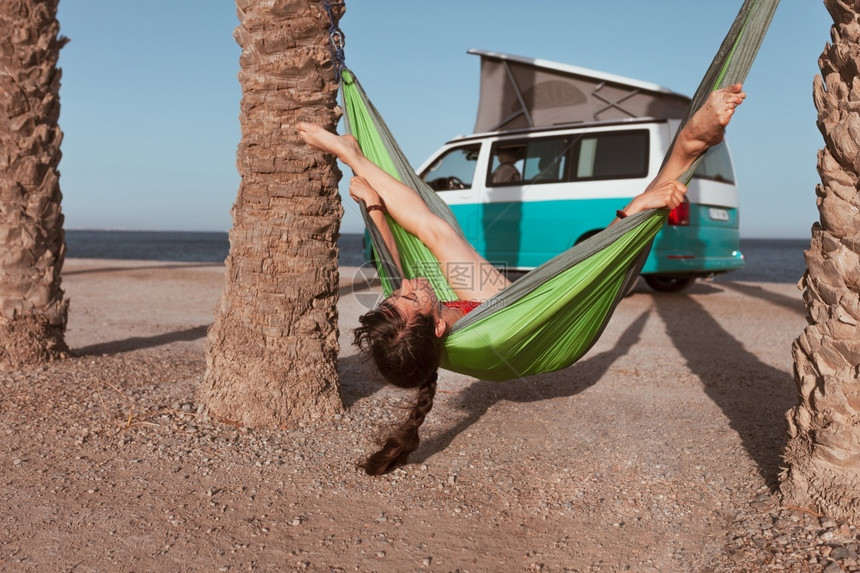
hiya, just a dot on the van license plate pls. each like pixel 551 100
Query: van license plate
pixel 719 214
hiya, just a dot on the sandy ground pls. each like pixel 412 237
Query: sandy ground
pixel 659 451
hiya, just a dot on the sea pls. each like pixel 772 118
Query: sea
pixel 767 260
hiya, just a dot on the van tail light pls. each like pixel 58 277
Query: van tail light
pixel 680 215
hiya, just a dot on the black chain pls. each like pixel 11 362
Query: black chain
pixel 336 38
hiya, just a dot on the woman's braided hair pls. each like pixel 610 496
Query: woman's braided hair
pixel 407 354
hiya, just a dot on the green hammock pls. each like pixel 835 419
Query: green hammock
pixel 550 317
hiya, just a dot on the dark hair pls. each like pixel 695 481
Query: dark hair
pixel 407 354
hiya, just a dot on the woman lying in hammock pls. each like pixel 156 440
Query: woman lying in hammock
pixel 404 333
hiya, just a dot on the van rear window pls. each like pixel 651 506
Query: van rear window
pixel 716 165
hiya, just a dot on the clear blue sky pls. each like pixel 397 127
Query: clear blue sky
pixel 150 98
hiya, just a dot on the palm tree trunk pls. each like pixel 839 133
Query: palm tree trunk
pixel 33 310
pixel 823 452
pixel 272 351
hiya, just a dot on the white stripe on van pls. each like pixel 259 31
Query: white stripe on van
pixel 700 191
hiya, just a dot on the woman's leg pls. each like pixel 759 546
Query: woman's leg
pixel 468 273
pixel 403 204
pixel 704 130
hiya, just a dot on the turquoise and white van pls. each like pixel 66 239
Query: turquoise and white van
pixel 558 149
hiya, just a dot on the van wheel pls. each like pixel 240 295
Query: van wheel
pixel 587 235
pixel 667 283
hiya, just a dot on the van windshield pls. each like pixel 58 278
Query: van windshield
pixel 455 169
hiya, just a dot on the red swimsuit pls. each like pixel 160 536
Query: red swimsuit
pixel 466 306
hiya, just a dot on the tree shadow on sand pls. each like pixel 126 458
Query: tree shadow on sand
pixel 141 342
pixel 477 398
pixel 754 291
pixel 131 268
pixel 753 395
pixel 357 379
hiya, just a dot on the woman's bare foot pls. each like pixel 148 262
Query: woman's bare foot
pixel 707 126
pixel 341 146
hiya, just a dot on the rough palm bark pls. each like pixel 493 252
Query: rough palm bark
pixel 272 351
pixel 823 452
pixel 33 309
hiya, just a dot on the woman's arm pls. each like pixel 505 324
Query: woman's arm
pixel 475 278
pixel 360 190
pixel 668 195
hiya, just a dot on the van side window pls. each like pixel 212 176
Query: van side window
pixel 547 159
pixel 716 165
pixel 572 157
pixel 453 170
pixel 618 155
pixel 542 160
pixel 506 167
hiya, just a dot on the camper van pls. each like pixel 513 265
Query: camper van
pixel 558 149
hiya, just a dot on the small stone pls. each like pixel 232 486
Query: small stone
pixel 833 567
pixel 427 561
pixel 827 523
pixel 380 554
pixel 762 505
pixel 842 553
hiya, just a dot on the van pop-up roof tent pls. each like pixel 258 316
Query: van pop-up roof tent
pixel 523 93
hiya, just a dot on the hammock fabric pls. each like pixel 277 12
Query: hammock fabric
pixel 550 317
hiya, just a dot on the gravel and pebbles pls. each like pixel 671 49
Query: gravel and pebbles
pixel 620 463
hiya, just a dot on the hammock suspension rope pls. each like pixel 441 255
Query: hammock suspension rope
pixel 336 39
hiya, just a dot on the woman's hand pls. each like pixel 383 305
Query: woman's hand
pixel 360 190
pixel 669 194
